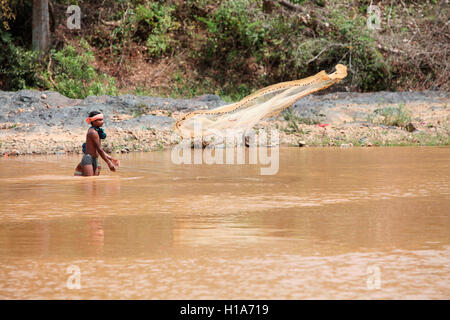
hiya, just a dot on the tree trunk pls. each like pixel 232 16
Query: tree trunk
pixel 41 30
pixel 268 6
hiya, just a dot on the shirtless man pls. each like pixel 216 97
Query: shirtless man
pixel 89 164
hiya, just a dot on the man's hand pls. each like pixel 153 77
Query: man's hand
pixel 115 162
pixel 111 166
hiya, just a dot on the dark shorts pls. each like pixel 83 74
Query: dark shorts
pixel 88 159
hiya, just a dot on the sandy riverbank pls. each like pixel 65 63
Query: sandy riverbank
pixel 33 122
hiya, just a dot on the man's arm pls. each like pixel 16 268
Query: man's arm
pixel 96 139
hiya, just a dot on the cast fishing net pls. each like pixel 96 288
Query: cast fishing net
pixel 264 103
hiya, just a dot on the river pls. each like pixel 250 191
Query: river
pixel 357 223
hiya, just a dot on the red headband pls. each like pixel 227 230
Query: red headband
pixel 96 117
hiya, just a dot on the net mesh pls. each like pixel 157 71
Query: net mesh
pixel 264 103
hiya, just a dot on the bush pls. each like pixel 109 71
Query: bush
pixel 151 24
pixel 367 69
pixel 292 53
pixel 235 38
pixel 75 77
pixel 156 21
pixel 20 68
pixel 246 46
pixel 234 28
pixel 391 116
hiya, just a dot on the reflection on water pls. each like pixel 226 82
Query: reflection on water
pixel 155 230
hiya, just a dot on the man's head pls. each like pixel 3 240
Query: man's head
pixel 95 118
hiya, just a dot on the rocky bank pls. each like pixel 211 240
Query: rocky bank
pixel 34 122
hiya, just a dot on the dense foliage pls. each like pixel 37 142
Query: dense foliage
pixel 75 77
pixel 227 47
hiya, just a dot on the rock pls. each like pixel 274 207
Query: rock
pixel 43 96
pixel 301 143
pixel 27 96
pixel 148 121
pixel 346 145
pixel 208 97
pixel 247 141
pixel 410 127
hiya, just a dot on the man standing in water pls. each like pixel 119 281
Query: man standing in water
pixel 92 148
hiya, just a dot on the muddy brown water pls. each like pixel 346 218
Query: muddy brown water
pixel 361 223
